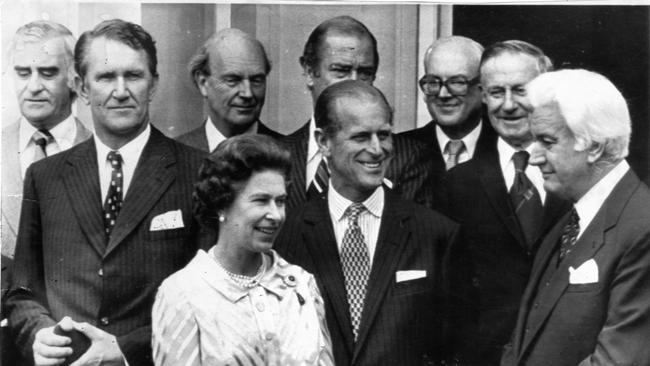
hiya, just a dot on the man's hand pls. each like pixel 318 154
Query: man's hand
pixel 103 348
pixel 52 349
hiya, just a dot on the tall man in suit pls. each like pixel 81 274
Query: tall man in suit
pixel 230 71
pixel 342 48
pixel 587 301
pixel 377 258
pixel 105 222
pixel 41 57
pixel 500 201
pixel 452 93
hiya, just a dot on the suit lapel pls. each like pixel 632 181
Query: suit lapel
pixel 152 176
pixel 392 239
pixel 495 189
pixel 298 145
pixel 82 132
pixel 81 177
pixel 321 245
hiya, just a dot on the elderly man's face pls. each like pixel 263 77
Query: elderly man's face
pixel 503 80
pixel 42 83
pixel 359 153
pixel 342 57
pixel 236 88
pixel 447 109
pixel 566 171
pixel 118 86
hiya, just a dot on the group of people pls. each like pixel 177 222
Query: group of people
pixel 509 230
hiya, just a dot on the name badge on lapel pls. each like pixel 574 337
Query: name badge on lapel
pixel 167 221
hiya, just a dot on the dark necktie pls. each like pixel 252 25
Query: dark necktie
pixel 569 233
pixel 526 200
pixel 319 184
pixel 454 148
pixel 356 264
pixel 113 201
pixel 41 139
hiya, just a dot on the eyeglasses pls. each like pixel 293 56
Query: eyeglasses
pixel 456 85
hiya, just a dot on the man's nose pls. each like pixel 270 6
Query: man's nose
pixel 245 89
pixel 34 85
pixel 121 89
pixel 508 101
pixel 537 155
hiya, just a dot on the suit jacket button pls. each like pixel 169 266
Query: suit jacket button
pixel 536 305
pixel 100 273
pixel 475 282
pixel 527 329
pixel 103 321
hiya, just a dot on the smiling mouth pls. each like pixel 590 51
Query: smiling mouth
pixel 267 230
pixel 371 165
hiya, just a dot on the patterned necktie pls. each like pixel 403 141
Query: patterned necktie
pixel 454 148
pixel 113 201
pixel 41 139
pixel 356 265
pixel 319 184
pixel 569 233
pixel 526 200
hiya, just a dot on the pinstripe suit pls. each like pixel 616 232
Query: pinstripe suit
pixel 409 170
pixel 402 323
pixel 65 265
pixel 196 138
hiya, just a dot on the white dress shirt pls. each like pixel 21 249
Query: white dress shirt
pixel 369 220
pixel 469 140
pixel 130 156
pixel 314 155
pixel 215 137
pixel 589 204
pixel 508 168
pixel 64 134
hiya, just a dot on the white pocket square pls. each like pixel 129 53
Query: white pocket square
pixel 401 276
pixel 167 221
pixel 587 272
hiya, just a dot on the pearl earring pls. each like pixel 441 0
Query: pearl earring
pixel 222 218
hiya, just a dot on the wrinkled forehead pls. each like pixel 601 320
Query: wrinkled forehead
pixel 29 50
pixel 357 46
pixel 452 59
pixel 236 54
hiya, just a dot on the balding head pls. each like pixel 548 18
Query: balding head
pixel 230 71
pixel 454 58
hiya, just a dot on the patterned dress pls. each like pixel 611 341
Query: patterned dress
pixel 202 317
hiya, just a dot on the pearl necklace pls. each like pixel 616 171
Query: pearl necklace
pixel 243 280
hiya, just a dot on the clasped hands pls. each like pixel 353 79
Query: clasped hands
pixel 52 349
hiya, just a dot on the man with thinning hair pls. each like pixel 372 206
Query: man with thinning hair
pixel 458 130
pixel 104 222
pixel 499 200
pixel 343 48
pixel 382 263
pixel 41 58
pixel 588 297
pixel 230 71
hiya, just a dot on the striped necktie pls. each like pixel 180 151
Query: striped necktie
pixel 320 182
pixel 526 200
pixel 41 139
pixel 454 148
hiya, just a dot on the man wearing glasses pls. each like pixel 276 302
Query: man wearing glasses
pixel 453 97
pixel 499 199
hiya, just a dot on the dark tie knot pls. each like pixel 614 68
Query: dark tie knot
pixel 42 137
pixel 115 159
pixel 354 210
pixel 574 219
pixel 520 160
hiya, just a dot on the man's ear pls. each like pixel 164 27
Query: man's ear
pixel 308 72
pixel 483 93
pixel 595 152
pixel 323 142
pixel 81 89
pixel 201 80
pixel 154 87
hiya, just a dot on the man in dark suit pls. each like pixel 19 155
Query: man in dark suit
pixel 499 200
pixel 451 89
pixel 587 301
pixel 338 49
pixel 378 259
pixel 105 222
pixel 43 77
pixel 230 71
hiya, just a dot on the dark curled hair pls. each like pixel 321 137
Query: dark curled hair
pixel 229 166
pixel 130 34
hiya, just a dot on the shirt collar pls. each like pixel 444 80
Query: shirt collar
pixel 312 146
pixel 215 137
pixel 338 204
pixel 469 140
pixel 130 152
pixel 506 151
pixel 279 278
pixel 589 204
pixel 64 133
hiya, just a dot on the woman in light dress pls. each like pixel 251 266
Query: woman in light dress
pixel 240 303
